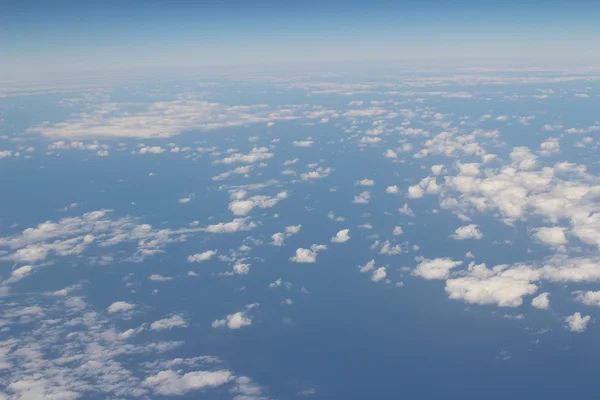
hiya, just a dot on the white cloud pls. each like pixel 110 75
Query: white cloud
pixel 438 268
pixel 293 229
pixel 550 147
pixel 390 154
pixel 174 321
pixel 166 119
pixel 503 291
pixel 243 207
pixel 366 182
pixel 341 237
pixel 378 274
pixel 397 231
pixel 392 189
pixel 405 210
pixel 160 278
pixel 233 321
pixel 438 169
pixel 200 257
pixel 541 301
pixel 120 306
pixel 318 173
pixel 151 150
pixel 554 236
pixel 256 154
pixel 241 269
pixel 467 232
pixel 577 323
pixel 171 383
pixel 588 298
pixel 307 255
pixel 362 198
pixel 368 266
pixel 303 143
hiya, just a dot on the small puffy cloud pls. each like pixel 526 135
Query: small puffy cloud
pixel 588 298
pixel 200 257
pixel 256 154
pixel 392 189
pixel 362 198
pixel 303 143
pixel 405 210
pixel 278 239
pixel 397 231
pixel 171 383
pixel 366 182
pixel 307 255
pixel 438 268
pixel 241 269
pixel 151 150
pixel 120 306
pixel 577 323
pixel 233 321
pixel 368 266
pixel 378 274
pixel 523 158
pixel 438 169
pixel 243 207
pixel 415 192
pixel 550 147
pixel 293 229
pixel 174 321
pixel 238 224
pixel 390 154
pixel 467 232
pixel 318 173
pixel 554 236
pixel 469 169
pixel 541 301
pixel 341 237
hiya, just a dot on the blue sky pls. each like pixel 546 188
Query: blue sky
pixel 71 36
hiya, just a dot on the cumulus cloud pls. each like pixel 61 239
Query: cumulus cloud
pixel 577 323
pixel 397 231
pixel 233 321
pixel 303 143
pixel 279 237
pixel 171 383
pixel 362 198
pixel 341 237
pixel 438 268
pixel 392 189
pixel 467 232
pixel 200 257
pixel 308 255
pixel 366 182
pixel 318 173
pixel 541 301
pixel 120 306
pixel 554 236
pixel 379 274
pixel 244 207
pixel 589 298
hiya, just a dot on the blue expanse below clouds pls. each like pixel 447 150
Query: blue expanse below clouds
pixel 419 234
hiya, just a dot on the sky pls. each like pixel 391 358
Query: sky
pixel 65 37
pixel 286 200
